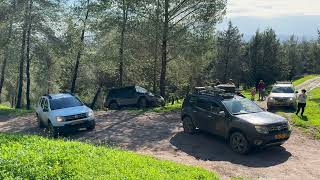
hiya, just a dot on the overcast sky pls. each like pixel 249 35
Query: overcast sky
pixel 299 17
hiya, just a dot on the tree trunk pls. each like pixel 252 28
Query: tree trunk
pixel 122 41
pixel 76 68
pixel 22 59
pixel 6 52
pixel 28 55
pixel 164 50
pixel 156 50
pixel 96 97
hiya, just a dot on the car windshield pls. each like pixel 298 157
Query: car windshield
pixel 64 103
pixel 141 89
pixel 241 106
pixel 276 89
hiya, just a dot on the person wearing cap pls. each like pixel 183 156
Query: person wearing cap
pixel 302 102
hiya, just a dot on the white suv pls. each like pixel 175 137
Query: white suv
pixel 62 112
pixel 282 94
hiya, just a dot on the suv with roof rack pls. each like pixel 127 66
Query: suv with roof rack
pixel 62 112
pixel 240 121
pixel 283 94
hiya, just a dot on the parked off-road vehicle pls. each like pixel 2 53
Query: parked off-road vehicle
pixel 63 112
pixel 132 96
pixel 282 95
pixel 240 121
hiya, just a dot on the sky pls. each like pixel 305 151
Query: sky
pixel 287 17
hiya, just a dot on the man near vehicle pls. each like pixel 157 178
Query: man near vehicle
pixel 302 102
pixel 261 88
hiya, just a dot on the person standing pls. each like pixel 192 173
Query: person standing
pixel 261 89
pixel 253 93
pixel 302 102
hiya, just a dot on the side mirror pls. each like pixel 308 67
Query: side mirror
pixel 296 92
pixel 222 113
pixel 45 110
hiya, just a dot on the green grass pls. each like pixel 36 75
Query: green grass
pixel 34 157
pixel 303 79
pixel 311 120
pixel 8 111
pixel 167 108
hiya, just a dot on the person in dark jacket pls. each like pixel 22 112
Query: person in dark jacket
pixel 261 88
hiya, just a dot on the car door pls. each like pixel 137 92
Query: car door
pixel 45 111
pixel 217 120
pixel 39 108
pixel 201 113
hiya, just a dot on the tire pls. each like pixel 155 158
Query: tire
pixel 188 126
pixel 114 105
pixel 270 108
pixel 142 103
pixel 92 126
pixel 53 131
pixel 239 143
pixel 40 123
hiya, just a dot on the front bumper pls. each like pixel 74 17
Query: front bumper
pixel 77 124
pixel 273 139
pixel 281 104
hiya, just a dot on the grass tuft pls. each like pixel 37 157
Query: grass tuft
pixel 34 157
pixel 8 111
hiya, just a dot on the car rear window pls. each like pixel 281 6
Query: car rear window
pixel 64 103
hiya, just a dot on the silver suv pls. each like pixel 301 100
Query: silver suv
pixel 62 112
pixel 282 95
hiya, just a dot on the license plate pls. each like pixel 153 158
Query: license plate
pixel 76 123
pixel 281 136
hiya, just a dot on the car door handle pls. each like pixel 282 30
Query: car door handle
pixel 209 116
pixel 195 111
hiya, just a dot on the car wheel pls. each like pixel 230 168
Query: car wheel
pixel 92 126
pixel 53 131
pixel 239 143
pixel 188 126
pixel 40 123
pixel 114 106
pixel 269 108
pixel 142 103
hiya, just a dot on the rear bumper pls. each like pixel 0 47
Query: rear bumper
pixel 270 139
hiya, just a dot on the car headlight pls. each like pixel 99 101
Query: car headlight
pixel 291 99
pixel 59 118
pixel 90 114
pixel 262 129
pixel 271 98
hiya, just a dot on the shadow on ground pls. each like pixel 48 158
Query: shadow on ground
pixel 207 147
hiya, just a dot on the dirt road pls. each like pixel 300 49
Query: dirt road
pixel 160 135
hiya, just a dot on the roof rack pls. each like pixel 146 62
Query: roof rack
pixel 284 82
pixel 213 91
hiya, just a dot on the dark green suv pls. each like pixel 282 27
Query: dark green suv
pixel 132 96
pixel 240 121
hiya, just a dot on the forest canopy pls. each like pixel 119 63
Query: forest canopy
pixel 168 46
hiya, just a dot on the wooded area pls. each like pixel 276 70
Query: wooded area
pixel 168 46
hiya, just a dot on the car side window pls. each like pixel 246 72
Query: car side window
pixel 45 104
pixel 203 104
pixel 215 108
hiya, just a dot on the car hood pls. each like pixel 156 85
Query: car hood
pixel 283 95
pixel 262 118
pixel 70 111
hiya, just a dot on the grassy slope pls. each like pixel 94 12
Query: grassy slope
pixel 311 121
pixel 303 79
pixel 34 157
pixel 7 111
pixel 167 108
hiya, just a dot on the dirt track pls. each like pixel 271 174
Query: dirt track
pixel 161 136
